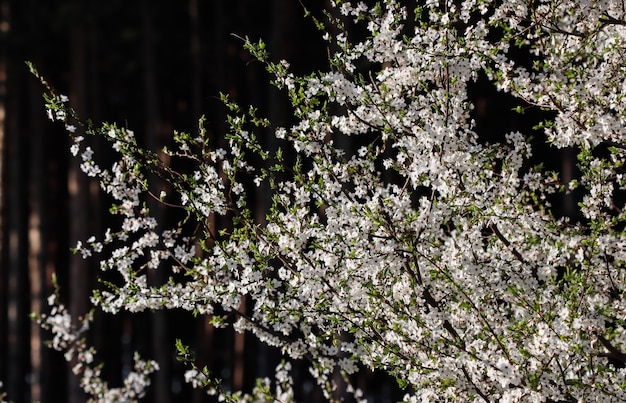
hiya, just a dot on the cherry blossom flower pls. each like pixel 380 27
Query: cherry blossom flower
pixel 425 251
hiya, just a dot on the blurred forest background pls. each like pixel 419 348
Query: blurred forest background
pixel 152 66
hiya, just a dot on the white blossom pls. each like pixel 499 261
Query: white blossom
pixel 425 251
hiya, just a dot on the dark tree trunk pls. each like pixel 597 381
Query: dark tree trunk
pixel 159 329
pixel 18 327
pixel 5 24
pixel 78 187
pixel 36 242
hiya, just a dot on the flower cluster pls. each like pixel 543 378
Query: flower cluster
pixel 262 391
pixel 69 338
pixel 397 239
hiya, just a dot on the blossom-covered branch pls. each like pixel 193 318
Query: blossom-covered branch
pixel 69 338
pixel 426 252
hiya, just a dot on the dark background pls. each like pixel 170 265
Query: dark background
pixel 152 66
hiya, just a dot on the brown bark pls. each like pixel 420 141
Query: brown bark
pixel 205 332
pixel 36 251
pixel 4 31
pixel 78 188
pixel 195 54
pixel 160 339
pixel 16 264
